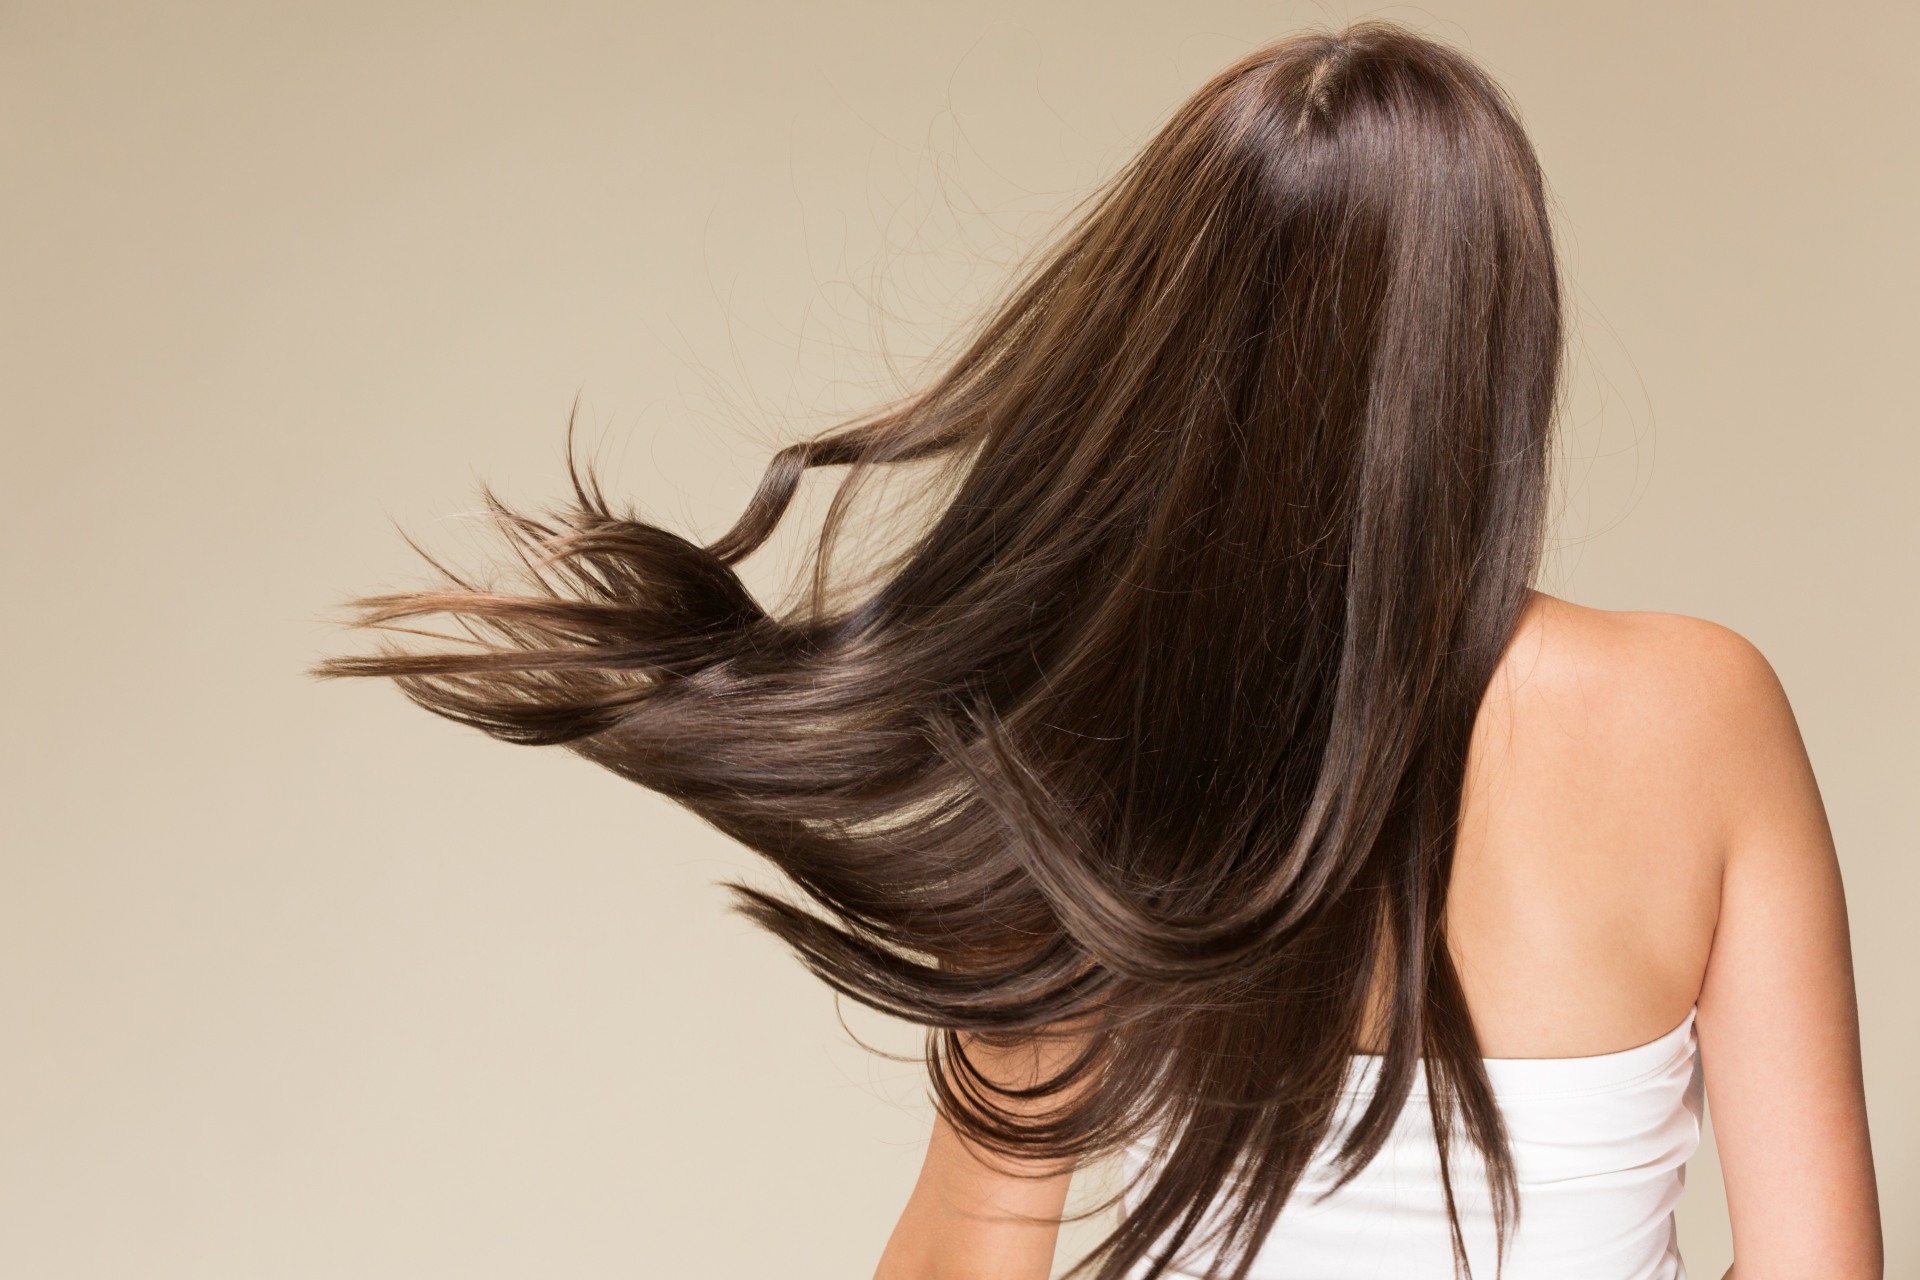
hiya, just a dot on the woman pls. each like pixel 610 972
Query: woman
pixel 1208 777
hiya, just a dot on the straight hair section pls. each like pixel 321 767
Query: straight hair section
pixel 1154 736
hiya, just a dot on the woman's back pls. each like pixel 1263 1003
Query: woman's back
pixel 1581 912
pixel 1586 878
pixel 1597 824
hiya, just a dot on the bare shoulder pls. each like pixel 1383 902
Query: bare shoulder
pixel 1687 697
pixel 1636 652
pixel 1614 761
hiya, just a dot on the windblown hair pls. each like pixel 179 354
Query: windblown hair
pixel 1151 743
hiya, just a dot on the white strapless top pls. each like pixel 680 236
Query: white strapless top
pixel 1600 1147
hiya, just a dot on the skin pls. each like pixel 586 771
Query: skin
pixel 1641 833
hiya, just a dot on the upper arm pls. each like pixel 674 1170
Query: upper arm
pixel 1778 1024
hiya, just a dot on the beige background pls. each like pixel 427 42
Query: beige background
pixel 298 981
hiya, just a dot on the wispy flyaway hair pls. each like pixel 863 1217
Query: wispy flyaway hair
pixel 1152 740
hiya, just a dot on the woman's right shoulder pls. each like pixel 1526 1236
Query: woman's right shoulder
pixel 1646 769
pixel 1662 725
pixel 1658 683
pixel 1686 721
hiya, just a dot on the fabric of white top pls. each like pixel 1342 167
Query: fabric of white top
pixel 1600 1147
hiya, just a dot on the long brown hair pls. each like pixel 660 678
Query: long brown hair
pixel 1157 730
